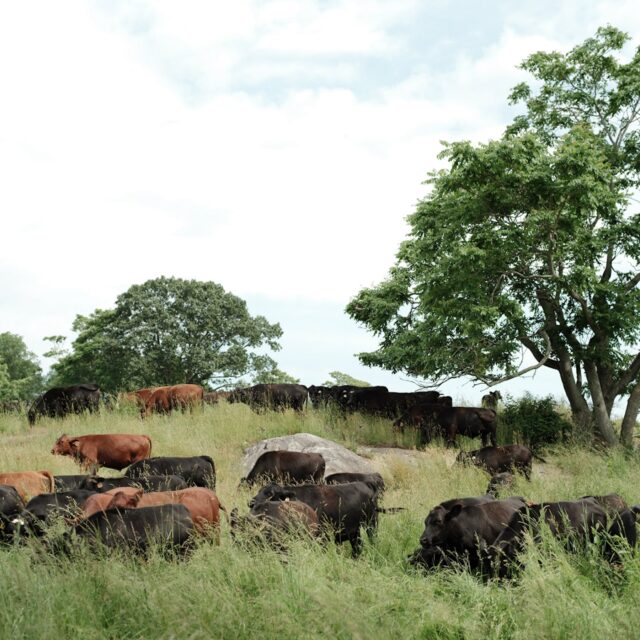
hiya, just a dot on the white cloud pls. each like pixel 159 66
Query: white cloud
pixel 113 173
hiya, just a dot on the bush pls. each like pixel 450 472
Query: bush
pixel 532 421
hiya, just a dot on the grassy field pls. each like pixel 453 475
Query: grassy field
pixel 234 592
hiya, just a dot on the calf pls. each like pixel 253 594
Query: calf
pixel 345 507
pixel 115 451
pixel 139 529
pixel 509 457
pixel 274 520
pixel 286 467
pixel 197 471
pixel 29 483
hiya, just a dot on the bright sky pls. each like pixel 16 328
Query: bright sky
pixel 274 147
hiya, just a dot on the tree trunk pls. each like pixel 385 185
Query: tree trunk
pixel 600 415
pixel 630 416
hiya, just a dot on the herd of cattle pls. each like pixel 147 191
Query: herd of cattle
pixel 172 500
pixel 428 412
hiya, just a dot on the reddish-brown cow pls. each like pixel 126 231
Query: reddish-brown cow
pixel 29 483
pixel 123 498
pixel 179 396
pixel 115 450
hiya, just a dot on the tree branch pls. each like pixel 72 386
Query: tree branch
pixel 537 354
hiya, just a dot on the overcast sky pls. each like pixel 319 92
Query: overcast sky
pixel 273 147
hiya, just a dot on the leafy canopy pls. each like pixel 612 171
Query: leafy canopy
pixel 20 372
pixel 527 244
pixel 168 331
pixel 339 379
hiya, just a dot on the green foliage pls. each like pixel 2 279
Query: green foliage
pixel 168 331
pixel 533 421
pixel 20 372
pixel 274 376
pixel 525 244
pixel 339 379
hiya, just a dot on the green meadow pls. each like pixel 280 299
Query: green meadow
pixel 314 591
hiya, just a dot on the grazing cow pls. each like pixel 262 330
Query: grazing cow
pixel 345 507
pixel 509 457
pixel 169 525
pixel 157 402
pixel 61 401
pixel 197 471
pixel 611 503
pixel 40 510
pixel 500 482
pixel 272 521
pixel 576 522
pixel 276 397
pixel 112 450
pixel 286 467
pixel 368 400
pixel 467 421
pixel 491 399
pixel 120 498
pixel 464 531
pixel 374 480
pixel 138 397
pixel 146 483
pixel 29 483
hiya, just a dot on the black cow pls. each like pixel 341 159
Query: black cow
pixel 500 482
pixel 11 504
pixel 463 530
pixel 451 421
pixel 369 400
pixel 197 471
pixel 146 483
pixel 509 457
pixel 168 525
pixel 69 483
pixel 276 397
pixel 374 480
pixel 286 467
pixel 345 507
pixel 42 509
pixel 574 521
pixel 61 401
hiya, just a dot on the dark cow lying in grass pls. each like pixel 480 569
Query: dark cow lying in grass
pixel 286 467
pixel 574 522
pixel 168 526
pixel 462 530
pixel 344 507
pixel 510 457
pixel 273 522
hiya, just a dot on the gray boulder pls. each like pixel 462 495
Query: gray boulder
pixel 338 459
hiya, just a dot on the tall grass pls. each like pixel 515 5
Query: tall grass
pixel 314 591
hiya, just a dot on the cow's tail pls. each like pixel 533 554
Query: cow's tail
pixel 52 483
pixel 538 458
pixel 150 444
pixel 390 509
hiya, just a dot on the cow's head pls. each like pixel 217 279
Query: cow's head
pixel 435 525
pixel 65 446
pixel 272 492
pixel 125 499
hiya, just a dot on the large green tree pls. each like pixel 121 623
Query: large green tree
pixel 168 331
pixel 20 373
pixel 530 246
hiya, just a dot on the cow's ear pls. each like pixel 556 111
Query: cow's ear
pixel 454 512
pixel 74 443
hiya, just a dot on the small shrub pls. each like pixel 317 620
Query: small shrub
pixel 533 421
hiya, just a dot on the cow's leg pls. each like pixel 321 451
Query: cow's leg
pixel 356 544
pixel 484 436
pixel 451 434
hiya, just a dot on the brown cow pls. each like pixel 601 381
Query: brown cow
pixel 138 397
pixel 29 483
pixel 113 450
pixel 178 396
pixel 122 498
